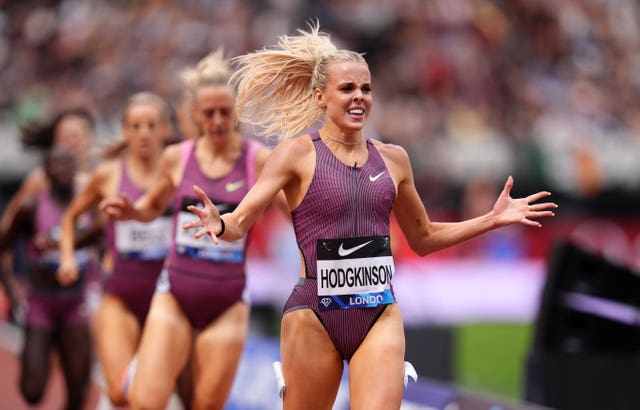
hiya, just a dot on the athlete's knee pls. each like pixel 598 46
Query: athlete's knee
pixel 209 402
pixel 116 396
pixel 146 402
pixel 145 397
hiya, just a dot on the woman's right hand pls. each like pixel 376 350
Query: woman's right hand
pixel 208 218
pixel 67 271
pixel 119 208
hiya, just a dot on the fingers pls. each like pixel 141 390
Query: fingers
pixel 537 196
pixel 543 206
pixel 204 231
pixel 194 209
pixel 112 207
pixel 104 204
pixel 117 207
pixel 529 222
pixel 112 211
pixel 202 216
pixel 196 223
pixel 202 196
pixel 540 214
pixel 508 185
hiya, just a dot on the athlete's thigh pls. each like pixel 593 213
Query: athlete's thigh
pixel 217 351
pixel 116 333
pixel 376 370
pixel 163 351
pixel 311 365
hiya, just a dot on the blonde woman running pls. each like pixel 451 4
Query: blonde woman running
pixel 201 293
pixel 342 188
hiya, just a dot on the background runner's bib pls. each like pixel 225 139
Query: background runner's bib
pixel 50 259
pixel 354 272
pixel 143 241
pixel 203 248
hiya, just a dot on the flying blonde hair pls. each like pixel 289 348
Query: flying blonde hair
pixel 275 86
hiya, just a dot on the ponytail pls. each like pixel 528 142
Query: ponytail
pixel 275 85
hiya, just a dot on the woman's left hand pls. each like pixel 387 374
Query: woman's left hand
pixel 509 210
pixel 208 218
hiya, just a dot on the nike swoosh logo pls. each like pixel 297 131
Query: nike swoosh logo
pixel 234 186
pixel 375 178
pixel 345 252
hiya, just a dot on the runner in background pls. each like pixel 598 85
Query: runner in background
pixel 135 252
pixel 201 293
pixel 57 313
pixel 72 128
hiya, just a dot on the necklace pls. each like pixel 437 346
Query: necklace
pixel 343 142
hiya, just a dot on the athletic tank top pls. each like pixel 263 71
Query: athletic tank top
pixel 342 229
pixel 43 264
pixel 195 256
pixel 138 247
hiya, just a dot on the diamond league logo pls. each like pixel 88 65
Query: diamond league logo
pixel 325 301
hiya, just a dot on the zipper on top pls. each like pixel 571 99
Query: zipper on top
pixel 355 195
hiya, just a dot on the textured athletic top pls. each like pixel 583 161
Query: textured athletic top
pixel 343 201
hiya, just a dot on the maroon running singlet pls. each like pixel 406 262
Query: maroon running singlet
pixel 342 228
pixel 207 279
pixel 138 250
pixel 49 303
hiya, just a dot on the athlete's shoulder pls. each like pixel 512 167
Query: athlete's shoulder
pixel 108 166
pixel 173 153
pixel 101 180
pixel 295 147
pixel 35 180
pixel 393 152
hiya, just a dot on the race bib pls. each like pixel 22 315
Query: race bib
pixel 354 272
pixel 144 241
pixel 203 248
pixel 50 259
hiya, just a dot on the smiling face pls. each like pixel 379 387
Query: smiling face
pixel 144 129
pixel 346 98
pixel 214 111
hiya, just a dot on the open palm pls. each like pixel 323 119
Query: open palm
pixel 508 210
pixel 208 218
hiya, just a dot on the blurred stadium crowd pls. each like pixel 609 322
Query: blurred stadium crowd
pixel 475 90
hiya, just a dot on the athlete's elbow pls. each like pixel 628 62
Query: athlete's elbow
pixel 422 249
pixel 423 243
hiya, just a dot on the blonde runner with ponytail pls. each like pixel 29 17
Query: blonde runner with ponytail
pixel 342 188
pixel 275 86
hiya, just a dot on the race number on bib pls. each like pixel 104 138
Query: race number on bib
pixel 203 248
pixel 144 241
pixel 354 272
